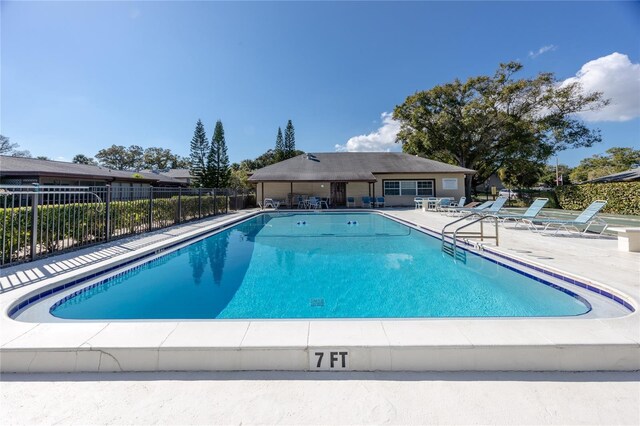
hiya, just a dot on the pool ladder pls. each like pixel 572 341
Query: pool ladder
pixel 451 247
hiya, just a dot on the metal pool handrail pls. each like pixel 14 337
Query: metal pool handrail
pixel 451 249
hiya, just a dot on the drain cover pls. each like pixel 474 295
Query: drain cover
pixel 318 302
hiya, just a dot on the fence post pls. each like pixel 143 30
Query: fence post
pixel 107 211
pixel 179 205
pixel 34 220
pixel 150 208
pixel 199 203
pixel 226 201
pixel 215 203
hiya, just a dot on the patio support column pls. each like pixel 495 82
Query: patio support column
pixel 262 195
pixel 291 196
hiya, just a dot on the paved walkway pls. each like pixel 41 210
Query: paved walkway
pixel 321 398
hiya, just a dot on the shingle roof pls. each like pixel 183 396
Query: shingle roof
pixel 19 166
pixel 349 166
pixel 626 176
pixel 178 173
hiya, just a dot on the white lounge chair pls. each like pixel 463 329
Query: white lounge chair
pixel 588 217
pixel 531 212
pixel 270 202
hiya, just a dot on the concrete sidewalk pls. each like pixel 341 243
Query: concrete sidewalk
pixel 322 398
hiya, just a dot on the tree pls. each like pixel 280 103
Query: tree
pixel 121 158
pixel 239 179
pixel 158 158
pixel 22 153
pixel 279 151
pixel 83 159
pixel 6 147
pixel 9 148
pixel 218 161
pixel 43 157
pixel 521 173
pixel 548 177
pixel 486 122
pixel 180 163
pixel 199 153
pixel 289 141
pixel 135 157
pixel 114 157
pixel 615 160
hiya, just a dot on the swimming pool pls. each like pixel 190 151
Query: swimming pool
pixel 316 265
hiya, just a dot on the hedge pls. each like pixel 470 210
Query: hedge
pixel 621 197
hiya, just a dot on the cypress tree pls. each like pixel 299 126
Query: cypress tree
pixel 198 156
pixel 218 159
pixel 279 151
pixel 289 140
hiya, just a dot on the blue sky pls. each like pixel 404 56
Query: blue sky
pixel 80 76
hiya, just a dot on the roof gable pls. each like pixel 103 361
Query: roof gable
pixel 350 166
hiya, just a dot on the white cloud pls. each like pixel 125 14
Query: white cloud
pixel 543 49
pixel 383 139
pixel 618 79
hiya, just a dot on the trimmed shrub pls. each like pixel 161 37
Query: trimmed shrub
pixel 621 197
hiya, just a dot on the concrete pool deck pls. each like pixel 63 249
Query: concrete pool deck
pixel 548 344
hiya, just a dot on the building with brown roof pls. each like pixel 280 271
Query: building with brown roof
pixel 25 171
pixel 398 177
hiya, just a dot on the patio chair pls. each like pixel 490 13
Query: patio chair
pixel 430 203
pixel 366 202
pixel 301 202
pixel 588 217
pixel 351 202
pixel 531 212
pixel 459 203
pixel 379 201
pixel 418 201
pixel 443 204
pixel 314 203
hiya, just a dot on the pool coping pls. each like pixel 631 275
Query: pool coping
pixel 432 344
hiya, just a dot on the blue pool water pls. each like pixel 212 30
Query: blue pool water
pixel 322 265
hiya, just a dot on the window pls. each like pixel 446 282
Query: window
pixel 408 187
pixel 449 183
pixel 391 188
pixel 425 187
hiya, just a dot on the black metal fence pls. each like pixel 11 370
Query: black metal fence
pixel 43 220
